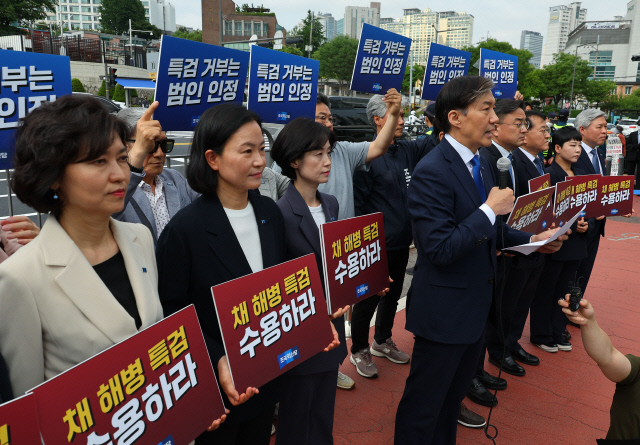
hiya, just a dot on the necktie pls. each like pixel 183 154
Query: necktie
pixel 538 164
pixel 595 161
pixel 513 179
pixel 477 177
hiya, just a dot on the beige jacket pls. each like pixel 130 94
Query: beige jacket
pixel 55 311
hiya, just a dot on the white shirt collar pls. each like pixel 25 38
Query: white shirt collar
pixel 465 153
pixel 503 151
pixel 587 148
pixel 527 154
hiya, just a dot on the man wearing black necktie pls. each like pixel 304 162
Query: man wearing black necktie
pixel 593 127
pixel 521 272
pixel 453 203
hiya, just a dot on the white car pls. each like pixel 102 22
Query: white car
pixel 628 126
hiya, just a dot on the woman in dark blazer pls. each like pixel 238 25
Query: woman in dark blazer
pixel 547 320
pixel 303 150
pixel 224 234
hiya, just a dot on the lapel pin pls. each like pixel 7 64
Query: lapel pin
pixel 144 270
pixel 264 221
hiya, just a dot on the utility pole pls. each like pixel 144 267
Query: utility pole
pixel 411 81
pixel 106 69
pixel 595 62
pixel 310 47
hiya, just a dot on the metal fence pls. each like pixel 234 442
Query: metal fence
pixel 79 49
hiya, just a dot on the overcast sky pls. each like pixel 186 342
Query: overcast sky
pixel 502 19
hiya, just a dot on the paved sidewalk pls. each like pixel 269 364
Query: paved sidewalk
pixel 565 400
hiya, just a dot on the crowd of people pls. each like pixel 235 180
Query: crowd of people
pixel 90 279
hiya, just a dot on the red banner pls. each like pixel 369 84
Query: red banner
pixel 155 387
pixel 19 422
pixel 272 320
pixel 533 213
pixel 539 183
pixel 354 258
pixel 603 195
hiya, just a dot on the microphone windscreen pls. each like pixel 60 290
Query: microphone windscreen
pixel 504 164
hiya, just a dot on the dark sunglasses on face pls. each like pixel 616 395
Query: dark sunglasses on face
pixel 166 145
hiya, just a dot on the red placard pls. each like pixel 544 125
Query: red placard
pixel 19 422
pixel 603 195
pixel 155 387
pixel 539 183
pixel 354 258
pixel 533 212
pixel 272 320
pixel 615 196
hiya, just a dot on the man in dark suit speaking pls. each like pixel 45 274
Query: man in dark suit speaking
pixel 453 203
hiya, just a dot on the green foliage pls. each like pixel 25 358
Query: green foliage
pixel 116 15
pixel 418 74
pixel 23 12
pixel 119 95
pixel 598 90
pixel 182 33
pixel 102 91
pixel 524 67
pixel 337 58
pixel 244 9
pixel 317 39
pixel 76 86
pixel 291 50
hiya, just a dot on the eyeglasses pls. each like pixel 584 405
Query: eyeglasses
pixel 166 145
pixel 542 130
pixel 523 126
pixel 323 119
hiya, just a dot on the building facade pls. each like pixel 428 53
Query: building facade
pixel 329 24
pixel 532 42
pixel 237 26
pixel 608 47
pixel 563 20
pixel 355 16
pixel 454 29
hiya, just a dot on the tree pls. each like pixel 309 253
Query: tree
pixel 182 33
pixel 23 12
pixel 556 79
pixel 337 58
pixel 524 67
pixel 418 74
pixel 118 94
pixel 291 49
pixel 76 86
pixel 116 15
pixel 598 90
pixel 317 39
pixel 102 91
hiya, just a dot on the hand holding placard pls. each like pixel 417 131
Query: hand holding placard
pixel 393 99
pixel 226 383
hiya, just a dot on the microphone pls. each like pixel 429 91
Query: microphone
pixel 504 164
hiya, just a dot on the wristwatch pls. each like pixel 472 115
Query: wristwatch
pixel 135 169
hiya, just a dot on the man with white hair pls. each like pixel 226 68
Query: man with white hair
pixel 383 188
pixel 593 127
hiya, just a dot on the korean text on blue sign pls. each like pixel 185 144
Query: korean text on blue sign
pixel 282 86
pixel 502 69
pixel 381 60
pixel 444 63
pixel 193 77
pixel 27 80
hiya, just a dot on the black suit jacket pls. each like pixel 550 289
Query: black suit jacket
pixel 493 154
pixel 525 170
pixel 302 237
pixel 584 163
pixel 575 248
pixel 198 249
pixel 633 147
pixel 456 245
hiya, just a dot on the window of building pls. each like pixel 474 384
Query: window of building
pixel 86 9
pixel 228 28
pixel 97 2
pixel 64 9
pixel 604 57
pixel 86 26
pixel 627 90
pixel 604 72
pixel 257 28
pixel 86 18
pixel 74 8
pixel 265 29
pixel 74 17
pixel 247 29
pixel 238 28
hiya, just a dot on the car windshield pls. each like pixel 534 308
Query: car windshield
pixel 627 122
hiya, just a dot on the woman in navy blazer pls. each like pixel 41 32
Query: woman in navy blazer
pixel 547 320
pixel 224 234
pixel 303 150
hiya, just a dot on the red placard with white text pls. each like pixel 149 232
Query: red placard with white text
pixel 19 422
pixel 354 258
pixel 272 320
pixel 157 386
pixel 604 195
pixel 539 183
pixel 533 212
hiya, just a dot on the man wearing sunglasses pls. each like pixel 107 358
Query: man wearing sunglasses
pixel 155 194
